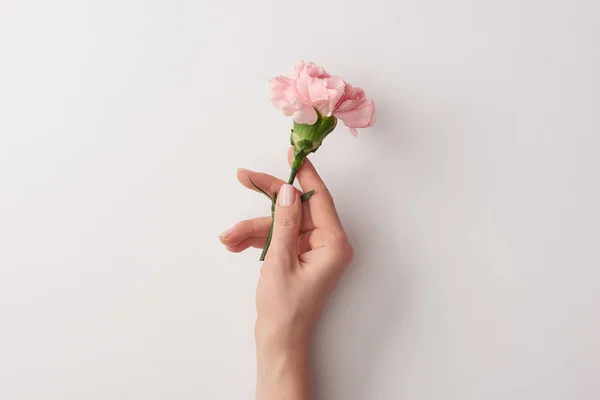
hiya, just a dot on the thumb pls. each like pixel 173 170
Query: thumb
pixel 286 224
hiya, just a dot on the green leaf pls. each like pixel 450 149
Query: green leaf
pixel 306 196
pixel 267 244
pixel 259 189
pixel 273 202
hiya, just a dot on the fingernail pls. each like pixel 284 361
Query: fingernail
pixel 226 233
pixel 287 195
pixel 243 170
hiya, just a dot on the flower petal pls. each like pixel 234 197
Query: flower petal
pixel 306 115
pixel 283 94
pixel 362 116
pixel 333 90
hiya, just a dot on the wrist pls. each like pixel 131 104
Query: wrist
pixel 282 336
pixel 282 356
pixel 274 338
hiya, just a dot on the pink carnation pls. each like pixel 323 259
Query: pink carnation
pixel 310 89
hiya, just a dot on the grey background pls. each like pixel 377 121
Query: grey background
pixel 472 204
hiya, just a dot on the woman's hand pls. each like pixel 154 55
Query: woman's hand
pixel 309 252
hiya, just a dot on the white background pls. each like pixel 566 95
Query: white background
pixel 473 204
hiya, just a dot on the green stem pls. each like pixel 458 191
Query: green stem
pixel 293 174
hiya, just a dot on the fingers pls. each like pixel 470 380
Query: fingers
pixel 257 242
pixel 321 206
pixel 266 182
pixel 286 225
pixel 270 184
pixel 252 228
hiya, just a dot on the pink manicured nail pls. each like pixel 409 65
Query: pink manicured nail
pixel 287 195
pixel 226 233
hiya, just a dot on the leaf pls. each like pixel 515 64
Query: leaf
pixel 267 243
pixel 273 202
pixel 259 189
pixel 306 196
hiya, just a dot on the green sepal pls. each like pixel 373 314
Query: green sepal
pixel 306 196
pixel 307 139
pixel 304 144
pixel 316 132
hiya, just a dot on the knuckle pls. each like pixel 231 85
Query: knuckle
pixel 339 240
pixel 245 226
pixel 287 221
pixel 350 252
pixel 342 248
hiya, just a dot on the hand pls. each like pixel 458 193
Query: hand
pixel 309 252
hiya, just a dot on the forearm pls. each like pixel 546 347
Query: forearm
pixel 282 369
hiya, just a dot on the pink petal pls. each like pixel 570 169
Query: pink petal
pixel 283 94
pixel 306 115
pixel 360 117
pixel 302 86
pixel 317 88
pixel 351 98
pixel 330 96
pixel 311 69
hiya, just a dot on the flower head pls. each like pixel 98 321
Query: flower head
pixel 311 92
pixel 309 89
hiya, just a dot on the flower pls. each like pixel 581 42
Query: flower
pixel 310 91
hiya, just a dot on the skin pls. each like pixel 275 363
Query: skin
pixel 309 253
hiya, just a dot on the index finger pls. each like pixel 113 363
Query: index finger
pixel 321 206
pixel 266 182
